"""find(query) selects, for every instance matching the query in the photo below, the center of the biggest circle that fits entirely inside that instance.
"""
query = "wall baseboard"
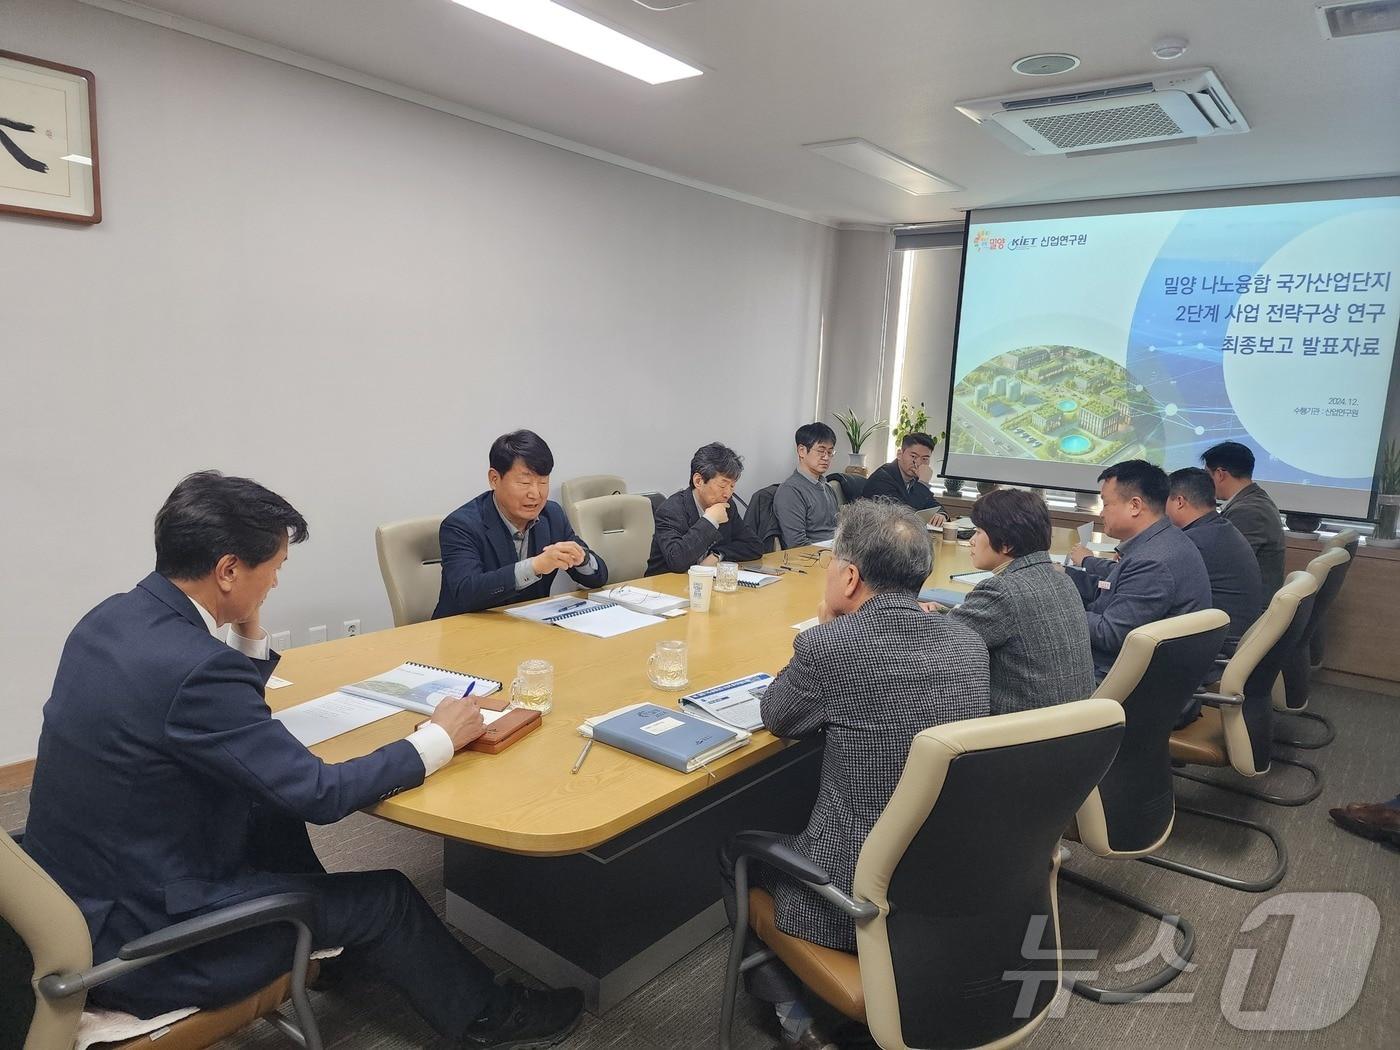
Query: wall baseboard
(16, 776)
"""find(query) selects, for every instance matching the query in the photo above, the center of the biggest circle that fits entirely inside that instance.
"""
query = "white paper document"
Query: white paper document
(749, 578)
(640, 599)
(806, 625)
(733, 703)
(331, 715)
(584, 616)
(972, 579)
(1086, 537)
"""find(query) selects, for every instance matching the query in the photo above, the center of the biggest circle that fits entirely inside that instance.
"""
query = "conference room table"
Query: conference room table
(603, 878)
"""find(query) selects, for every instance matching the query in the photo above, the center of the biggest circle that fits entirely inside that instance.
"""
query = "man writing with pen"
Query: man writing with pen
(508, 544)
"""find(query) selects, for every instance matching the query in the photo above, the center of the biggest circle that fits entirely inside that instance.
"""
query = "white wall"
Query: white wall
(347, 297)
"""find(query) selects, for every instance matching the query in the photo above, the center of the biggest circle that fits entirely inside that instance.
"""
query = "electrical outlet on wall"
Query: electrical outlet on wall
(316, 634)
(352, 628)
(281, 641)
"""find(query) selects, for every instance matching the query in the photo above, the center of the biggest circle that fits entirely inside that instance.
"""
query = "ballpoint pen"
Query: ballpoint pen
(470, 686)
(578, 762)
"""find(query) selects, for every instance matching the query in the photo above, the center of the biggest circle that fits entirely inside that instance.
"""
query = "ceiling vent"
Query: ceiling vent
(1343, 18)
(1106, 114)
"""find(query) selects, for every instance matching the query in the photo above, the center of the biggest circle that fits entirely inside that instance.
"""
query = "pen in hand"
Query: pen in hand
(578, 762)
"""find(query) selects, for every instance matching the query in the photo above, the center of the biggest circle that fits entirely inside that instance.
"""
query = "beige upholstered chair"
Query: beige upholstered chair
(945, 889)
(619, 528)
(47, 924)
(1293, 686)
(410, 560)
(838, 491)
(576, 490)
(1348, 540)
(1236, 724)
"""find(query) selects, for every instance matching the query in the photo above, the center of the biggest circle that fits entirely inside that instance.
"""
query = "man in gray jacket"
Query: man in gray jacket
(1159, 572)
(1248, 508)
(873, 674)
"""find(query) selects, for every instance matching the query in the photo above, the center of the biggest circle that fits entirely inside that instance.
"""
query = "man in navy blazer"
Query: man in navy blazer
(509, 543)
(164, 788)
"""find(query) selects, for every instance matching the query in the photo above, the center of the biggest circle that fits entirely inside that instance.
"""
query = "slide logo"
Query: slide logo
(983, 239)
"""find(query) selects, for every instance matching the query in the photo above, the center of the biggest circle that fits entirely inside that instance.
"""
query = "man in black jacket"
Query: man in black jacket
(1248, 508)
(905, 478)
(1235, 585)
(698, 525)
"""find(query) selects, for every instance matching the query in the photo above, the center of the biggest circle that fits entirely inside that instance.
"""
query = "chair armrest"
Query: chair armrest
(298, 908)
(767, 847)
(1219, 699)
(279, 907)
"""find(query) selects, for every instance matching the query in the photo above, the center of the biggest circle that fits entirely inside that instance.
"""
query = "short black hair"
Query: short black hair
(524, 445)
(1140, 478)
(811, 434)
(1194, 485)
(917, 438)
(1235, 459)
(1014, 520)
(209, 515)
(715, 459)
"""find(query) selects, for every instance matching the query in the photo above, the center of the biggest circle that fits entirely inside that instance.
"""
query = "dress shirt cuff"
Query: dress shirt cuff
(433, 745)
(525, 574)
(253, 648)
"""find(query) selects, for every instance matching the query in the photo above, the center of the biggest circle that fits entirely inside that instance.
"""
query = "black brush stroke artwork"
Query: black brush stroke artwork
(13, 149)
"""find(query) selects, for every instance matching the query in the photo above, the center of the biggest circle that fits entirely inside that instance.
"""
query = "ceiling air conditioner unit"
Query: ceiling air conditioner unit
(1109, 114)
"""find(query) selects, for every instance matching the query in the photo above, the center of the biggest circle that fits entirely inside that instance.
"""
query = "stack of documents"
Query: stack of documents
(750, 578)
(639, 599)
(600, 619)
(671, 738)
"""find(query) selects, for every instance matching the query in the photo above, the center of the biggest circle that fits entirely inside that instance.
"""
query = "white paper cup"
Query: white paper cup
(702, 586)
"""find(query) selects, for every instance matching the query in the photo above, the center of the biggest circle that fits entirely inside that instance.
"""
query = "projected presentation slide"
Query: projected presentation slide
(1085, 341)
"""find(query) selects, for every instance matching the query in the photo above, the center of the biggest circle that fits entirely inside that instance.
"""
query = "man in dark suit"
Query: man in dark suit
(1248, 508)
(699, 525)
(509, 543)
(164, 789)
(905, 478)
(874, 673)
(1235, 585)
(1158, 572)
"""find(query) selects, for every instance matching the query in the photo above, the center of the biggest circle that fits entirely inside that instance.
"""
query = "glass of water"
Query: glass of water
(533, 687)
(727, 577)
(667, 666)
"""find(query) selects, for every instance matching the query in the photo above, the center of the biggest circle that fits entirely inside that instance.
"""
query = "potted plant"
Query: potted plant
(857, 433)
(1387, 532)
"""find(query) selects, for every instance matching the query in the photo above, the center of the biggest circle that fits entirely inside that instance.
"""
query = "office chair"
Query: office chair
(1348, 540)
(948, 894)
(410, 560)
(762, 519)
(840, 493)
(575, 490)
(1294, 685)
(620, 529)
(1235, 727)
(49, 949)
(1131, 812)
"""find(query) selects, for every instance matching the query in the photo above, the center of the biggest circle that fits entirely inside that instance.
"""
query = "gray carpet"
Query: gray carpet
(681, 1007)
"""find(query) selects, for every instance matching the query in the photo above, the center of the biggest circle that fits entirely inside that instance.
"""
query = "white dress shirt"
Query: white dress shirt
(430, 740)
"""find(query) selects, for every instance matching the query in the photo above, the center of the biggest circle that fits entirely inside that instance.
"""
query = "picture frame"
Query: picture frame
(48, 140)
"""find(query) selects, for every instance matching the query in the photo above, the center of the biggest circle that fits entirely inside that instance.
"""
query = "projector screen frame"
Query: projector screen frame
(1340, 189)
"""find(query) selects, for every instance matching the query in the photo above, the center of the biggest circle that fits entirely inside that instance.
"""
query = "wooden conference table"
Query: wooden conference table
(604, 878)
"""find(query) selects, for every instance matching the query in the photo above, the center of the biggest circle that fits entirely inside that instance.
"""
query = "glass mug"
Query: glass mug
(533, 688)
(667, 666)
(727, 577)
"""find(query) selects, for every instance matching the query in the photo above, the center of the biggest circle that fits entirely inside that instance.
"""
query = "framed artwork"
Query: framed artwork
(48, 140)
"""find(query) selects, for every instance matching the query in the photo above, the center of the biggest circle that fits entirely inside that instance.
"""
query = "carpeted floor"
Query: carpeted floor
(681, 1007)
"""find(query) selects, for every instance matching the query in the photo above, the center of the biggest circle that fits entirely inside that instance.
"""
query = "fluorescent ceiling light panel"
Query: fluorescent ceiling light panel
(583, 36)
(73, 158)
(884, 165)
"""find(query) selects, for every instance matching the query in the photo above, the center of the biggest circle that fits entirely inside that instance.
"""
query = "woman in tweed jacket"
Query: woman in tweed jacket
(1030, 613)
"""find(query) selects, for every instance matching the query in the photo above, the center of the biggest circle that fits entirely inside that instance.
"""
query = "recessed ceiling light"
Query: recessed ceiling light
(574, 32)
(882, 164)
(1046, 65)
(1170, 47)
(1358, 17)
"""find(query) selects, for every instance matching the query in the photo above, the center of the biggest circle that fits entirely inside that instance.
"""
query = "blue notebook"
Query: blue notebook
(942, 596)
(672, 738)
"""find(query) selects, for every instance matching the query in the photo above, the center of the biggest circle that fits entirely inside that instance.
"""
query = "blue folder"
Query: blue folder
(672, 738)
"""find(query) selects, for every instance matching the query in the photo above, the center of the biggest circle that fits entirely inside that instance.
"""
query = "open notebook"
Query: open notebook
(585, 616)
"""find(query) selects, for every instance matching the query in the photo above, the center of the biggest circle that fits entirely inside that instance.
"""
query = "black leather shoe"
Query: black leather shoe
(812, 1038)
(526, 1019)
